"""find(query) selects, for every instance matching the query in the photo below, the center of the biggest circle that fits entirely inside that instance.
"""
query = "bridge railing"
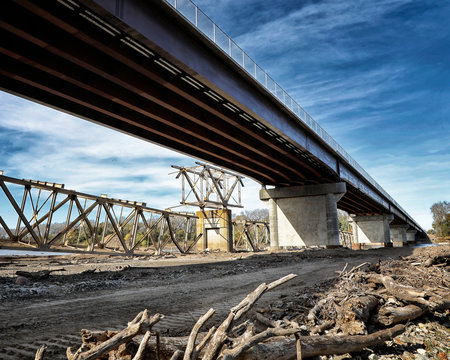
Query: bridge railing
(207, 27)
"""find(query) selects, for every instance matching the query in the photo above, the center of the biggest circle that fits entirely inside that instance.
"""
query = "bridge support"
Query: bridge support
(372, 229)
(217, 229)
(398, 234)
(411, 236)
(304, 215)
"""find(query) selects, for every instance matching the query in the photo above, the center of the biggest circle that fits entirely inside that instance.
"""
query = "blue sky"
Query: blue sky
(374, 74)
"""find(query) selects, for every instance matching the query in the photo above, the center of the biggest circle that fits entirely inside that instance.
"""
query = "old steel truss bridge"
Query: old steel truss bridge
(210, 187)
(50, 216)
(251, 235)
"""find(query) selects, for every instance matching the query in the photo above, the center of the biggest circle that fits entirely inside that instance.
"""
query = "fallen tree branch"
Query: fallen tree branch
(286, 349)
(37, 275)
(354, 313)
(40, 353)
(221, 334)
(142, 346)
(322, 327)
(232, 354)
(354, 269)
(193, 336)
(140, 324)
(428, 300)
(203, 343)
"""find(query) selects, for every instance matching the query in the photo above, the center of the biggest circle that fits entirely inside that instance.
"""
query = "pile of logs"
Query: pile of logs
(364, 308)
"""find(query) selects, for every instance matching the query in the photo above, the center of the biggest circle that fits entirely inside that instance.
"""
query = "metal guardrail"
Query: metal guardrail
(201, 21)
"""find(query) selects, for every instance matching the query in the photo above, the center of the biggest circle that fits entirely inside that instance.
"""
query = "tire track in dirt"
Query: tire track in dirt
(56, 323)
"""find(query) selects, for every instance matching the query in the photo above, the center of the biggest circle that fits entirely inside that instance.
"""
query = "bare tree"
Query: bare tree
(441, 217)
(256, 215)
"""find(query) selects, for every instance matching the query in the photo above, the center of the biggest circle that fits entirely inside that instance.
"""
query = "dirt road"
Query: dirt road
(106, 292)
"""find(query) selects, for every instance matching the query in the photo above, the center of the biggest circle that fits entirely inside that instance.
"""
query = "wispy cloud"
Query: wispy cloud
(52, 146)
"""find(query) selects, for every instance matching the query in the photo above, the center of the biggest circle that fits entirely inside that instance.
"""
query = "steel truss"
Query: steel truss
(210, 187)
(251, 235)
(346, 239)
(137, 227)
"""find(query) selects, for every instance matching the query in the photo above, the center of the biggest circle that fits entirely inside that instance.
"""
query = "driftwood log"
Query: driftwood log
(37, 275)
(139, 325)
(394, 315)
(354, 313)
(427, 300)
(285, 348)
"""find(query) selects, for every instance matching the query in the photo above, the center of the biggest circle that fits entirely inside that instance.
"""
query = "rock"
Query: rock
(421, 351)
(421, 357)
(22, 280)
(373, 357)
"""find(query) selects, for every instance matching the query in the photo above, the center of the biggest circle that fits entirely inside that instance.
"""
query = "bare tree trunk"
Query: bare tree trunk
(286, 349)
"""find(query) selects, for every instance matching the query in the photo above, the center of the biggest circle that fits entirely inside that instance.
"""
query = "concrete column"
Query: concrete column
(372, 229)
(398, 234)
(304, 215)
(273, 220)
(411, 236)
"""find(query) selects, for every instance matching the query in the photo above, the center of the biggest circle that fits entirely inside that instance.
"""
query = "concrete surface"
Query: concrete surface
(304, 215)
(372, 229)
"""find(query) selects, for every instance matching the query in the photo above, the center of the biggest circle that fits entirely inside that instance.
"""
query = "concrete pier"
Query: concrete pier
(372, 229)
(411, 236)
(398, 234)
(217, 229)
(304, 215)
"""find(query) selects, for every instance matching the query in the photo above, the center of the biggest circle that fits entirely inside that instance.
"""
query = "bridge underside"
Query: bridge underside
(86, 64)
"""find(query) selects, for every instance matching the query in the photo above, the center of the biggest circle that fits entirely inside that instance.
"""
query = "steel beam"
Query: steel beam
(20, 213)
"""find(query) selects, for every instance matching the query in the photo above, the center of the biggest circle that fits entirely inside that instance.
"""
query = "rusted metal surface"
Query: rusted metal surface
(209, 187)
(346, 239)
(251, 235)
(91, 223)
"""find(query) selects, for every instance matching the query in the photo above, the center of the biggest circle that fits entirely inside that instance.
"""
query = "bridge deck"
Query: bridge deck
(142, 69)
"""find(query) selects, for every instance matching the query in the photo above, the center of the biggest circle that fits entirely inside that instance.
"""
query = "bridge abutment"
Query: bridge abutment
(372, 229)
(304, 215)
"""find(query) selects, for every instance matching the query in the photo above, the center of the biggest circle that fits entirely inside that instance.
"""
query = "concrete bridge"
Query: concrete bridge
(164, 72)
